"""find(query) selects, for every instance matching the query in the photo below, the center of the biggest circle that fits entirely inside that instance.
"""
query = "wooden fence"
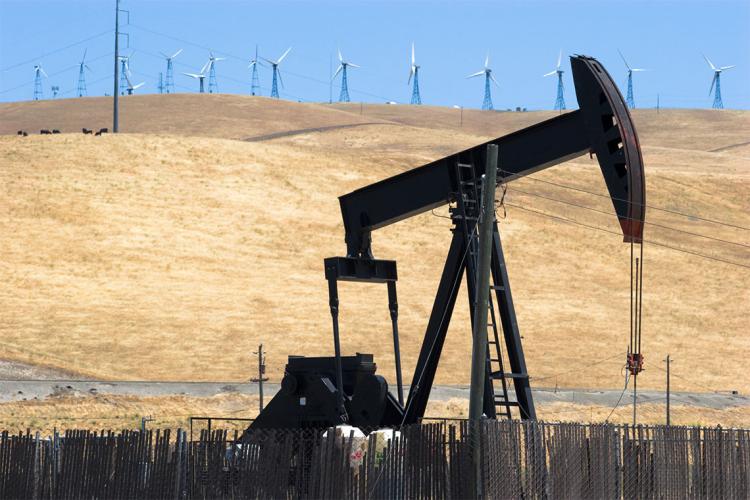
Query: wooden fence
(520, 460)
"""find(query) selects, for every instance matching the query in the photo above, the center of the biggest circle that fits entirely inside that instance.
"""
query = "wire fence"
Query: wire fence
(529, 460)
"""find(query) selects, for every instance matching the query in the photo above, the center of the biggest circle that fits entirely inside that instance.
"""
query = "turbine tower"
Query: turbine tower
(169, 79)
(414, 72)
(716, 82)
(487, 72)
(211, 64)
(124, 70)
(201, 77)
(38, 73)
(560, 101)
(629, 99)
(81, 75)
(276, 73)
(254, 82)
(343, 65)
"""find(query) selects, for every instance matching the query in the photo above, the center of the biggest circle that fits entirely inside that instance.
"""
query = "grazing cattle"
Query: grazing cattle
(20, 132)
(44, 131)
(103, 130)
(98, 133)
(55, 131)
(25, 134)
(86, 131)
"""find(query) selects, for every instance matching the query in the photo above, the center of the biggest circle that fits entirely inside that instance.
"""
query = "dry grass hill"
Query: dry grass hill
(172, 250)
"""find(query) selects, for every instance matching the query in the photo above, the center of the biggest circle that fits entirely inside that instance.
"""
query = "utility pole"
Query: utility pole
(669, 362)
(115, 110)
(261, 373)
(479, 349)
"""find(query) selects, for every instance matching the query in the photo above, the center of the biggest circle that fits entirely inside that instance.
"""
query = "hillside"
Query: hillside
(172, 251)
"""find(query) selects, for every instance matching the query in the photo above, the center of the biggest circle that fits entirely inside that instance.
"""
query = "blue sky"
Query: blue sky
(451, 38)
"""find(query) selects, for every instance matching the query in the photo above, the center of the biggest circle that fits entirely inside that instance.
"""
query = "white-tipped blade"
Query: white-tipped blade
(638, 69)
(709, 62)
(559, 59)
(338, 70)
(252, 63)
(478, 73)
(550, 73)
(341, 59)
(43, 72)
(220, 59)
(176, 54)
(138, 86)
(623, 59)
(205, 66)
(353, 65)
(412, 54)
(492, 77)
(283, 55)
(724, 68)
(192, 75)
(487, 61)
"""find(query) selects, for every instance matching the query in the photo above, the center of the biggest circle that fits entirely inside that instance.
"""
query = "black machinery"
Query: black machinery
(322, 392)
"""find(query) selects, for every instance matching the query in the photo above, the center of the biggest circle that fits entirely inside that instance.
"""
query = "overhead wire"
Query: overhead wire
(659, 244)
(50, 75)
(327, 83)
(652, 207)
(79, 42)
(654, 224)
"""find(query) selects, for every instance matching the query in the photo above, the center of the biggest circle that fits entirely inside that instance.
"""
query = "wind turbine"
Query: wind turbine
(343, 65)
(716, 81)
(254, 82)
(211, 66)
(81, 75)
(38, 72)
(131, 87)
(124, 70)
(201, 77)
(414, 72)
(487, 72)
(560, 101)
(276, 73)
(169, 80)
(629, 99)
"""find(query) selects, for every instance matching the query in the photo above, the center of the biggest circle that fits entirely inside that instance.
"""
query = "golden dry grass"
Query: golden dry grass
(172, 257)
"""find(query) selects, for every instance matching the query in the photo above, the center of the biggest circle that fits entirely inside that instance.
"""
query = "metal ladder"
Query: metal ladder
(466, 214)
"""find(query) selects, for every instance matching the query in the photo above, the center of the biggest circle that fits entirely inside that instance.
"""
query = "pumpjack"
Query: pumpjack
(328, 391)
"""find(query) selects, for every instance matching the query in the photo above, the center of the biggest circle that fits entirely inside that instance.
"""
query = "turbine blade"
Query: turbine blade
(724, 68)
(478, 73)
(192, 75)
(623, 59)
(411, 73)
(281, 80)
(284, 55)
(559, 59)
(412, 53)
(272, 63)
(165, 56)
(638, 69)
(252, 63)
(338, 70)
(43, 72)
(709, 62)
(138, 86)
(341, 59)
(713, 80)
(206, 66)
(354, 65)
(87, 67)
(84, 54)
(550, 73)
(492, 77)
(176, 54)
(487, 61)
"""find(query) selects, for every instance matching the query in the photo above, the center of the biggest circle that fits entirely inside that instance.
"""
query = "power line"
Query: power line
(68, 68)
(571, 221)
(652, 207)
(92, 37)
(630, 218)
(326, 83)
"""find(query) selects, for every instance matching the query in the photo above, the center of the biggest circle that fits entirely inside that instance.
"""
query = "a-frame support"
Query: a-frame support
(456, 264)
